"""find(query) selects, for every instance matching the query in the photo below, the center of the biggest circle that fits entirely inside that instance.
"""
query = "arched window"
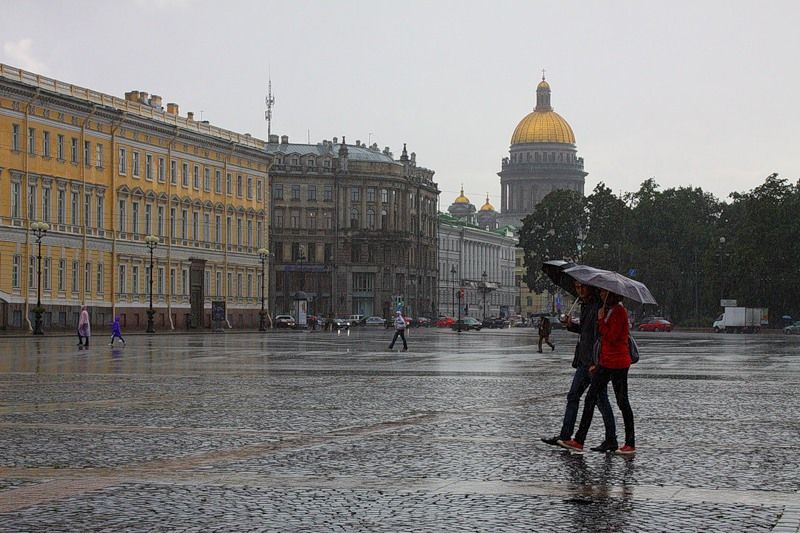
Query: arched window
(370, 219)
(354, 218)
(384, 219)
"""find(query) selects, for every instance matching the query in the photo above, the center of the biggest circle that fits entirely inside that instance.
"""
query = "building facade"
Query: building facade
(476, 259)
(104, 172)
(542, 158)
(352, 229)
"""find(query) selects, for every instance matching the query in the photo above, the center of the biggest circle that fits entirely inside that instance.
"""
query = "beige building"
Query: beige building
(104, 172)
(352, 228)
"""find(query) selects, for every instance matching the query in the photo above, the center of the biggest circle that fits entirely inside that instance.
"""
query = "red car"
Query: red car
(656, 324)
(445, 322)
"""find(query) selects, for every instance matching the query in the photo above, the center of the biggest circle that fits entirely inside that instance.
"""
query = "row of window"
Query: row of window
(541, 157)
(136, 282)
(372, 194)
(44, 146)
(142, 223)
(244, 282)
(67, 206)
(245, 186)
(61, 277)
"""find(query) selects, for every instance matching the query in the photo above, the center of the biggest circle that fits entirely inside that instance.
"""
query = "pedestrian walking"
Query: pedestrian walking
(583, 360)
(399, 331)
(116, 332)
(545, 328)
(613, 365)
(84, 327)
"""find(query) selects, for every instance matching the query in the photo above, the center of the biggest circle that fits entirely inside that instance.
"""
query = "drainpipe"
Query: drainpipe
(84, 249)
(169, 230)
(225, 247)
(114, 165)
(25, 158)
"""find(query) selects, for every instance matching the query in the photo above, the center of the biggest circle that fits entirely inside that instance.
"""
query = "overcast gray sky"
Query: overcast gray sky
(691, 93)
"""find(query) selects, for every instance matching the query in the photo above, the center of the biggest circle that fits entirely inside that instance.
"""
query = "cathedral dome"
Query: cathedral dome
(487, 206)
(461, 198)
(543, 125)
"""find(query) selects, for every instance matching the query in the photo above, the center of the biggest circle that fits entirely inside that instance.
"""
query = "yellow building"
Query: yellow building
(104, 172)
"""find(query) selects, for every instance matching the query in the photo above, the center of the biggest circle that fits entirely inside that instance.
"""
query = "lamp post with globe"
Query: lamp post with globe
(151, 241)
(39, 231)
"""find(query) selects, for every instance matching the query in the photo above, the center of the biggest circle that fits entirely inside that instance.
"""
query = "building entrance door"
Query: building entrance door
(197, 292)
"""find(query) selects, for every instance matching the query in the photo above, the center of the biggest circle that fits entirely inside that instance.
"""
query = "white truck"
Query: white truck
(741, 320)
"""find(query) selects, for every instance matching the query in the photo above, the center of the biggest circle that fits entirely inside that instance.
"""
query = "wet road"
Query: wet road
(313, 431)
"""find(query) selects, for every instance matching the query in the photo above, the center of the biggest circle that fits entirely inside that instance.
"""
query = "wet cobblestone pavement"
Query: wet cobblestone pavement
(313, 431)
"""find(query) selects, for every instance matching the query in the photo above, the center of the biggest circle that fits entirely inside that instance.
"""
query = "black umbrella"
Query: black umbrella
(555, 271)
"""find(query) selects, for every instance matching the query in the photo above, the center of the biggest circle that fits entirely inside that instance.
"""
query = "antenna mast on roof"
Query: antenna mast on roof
(270, 101)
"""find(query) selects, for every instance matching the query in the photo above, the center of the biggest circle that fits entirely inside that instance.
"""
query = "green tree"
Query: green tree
(555, 230)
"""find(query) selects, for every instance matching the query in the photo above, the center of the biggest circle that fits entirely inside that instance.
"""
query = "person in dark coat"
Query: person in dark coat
(582, 362)
(545, 328)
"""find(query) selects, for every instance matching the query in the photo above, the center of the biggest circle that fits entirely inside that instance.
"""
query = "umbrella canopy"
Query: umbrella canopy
(611, 281)
(555, 271)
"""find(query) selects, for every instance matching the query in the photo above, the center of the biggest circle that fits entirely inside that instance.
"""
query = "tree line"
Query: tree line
(690, 248)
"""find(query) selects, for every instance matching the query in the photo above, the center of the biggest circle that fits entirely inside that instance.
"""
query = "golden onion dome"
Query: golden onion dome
(487, 206)
(543, 127)
(543, 85)
(461, 198)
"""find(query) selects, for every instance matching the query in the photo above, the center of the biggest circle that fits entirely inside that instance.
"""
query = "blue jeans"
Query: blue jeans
(580, 382)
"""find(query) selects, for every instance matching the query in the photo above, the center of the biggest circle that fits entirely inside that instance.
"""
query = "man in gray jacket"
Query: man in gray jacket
(583, 361)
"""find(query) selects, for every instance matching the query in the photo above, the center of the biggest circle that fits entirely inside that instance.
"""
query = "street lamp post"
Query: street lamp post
(151, 241)
(483, 278)
(263, 253)
(722, 241)
(39, 231)
(453, 281)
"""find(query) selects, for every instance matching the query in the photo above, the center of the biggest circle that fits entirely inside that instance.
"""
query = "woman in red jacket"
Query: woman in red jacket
(615, 360)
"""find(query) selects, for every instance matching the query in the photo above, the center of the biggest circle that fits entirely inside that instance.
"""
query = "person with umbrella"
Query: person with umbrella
(615, 347)
(613, 364)
(587, 329)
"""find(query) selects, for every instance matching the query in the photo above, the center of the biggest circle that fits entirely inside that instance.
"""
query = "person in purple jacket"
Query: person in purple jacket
(116, 331)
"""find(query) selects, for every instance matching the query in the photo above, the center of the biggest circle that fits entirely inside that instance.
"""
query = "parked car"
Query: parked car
(794, 329)
(284, 321)
(374, 321)
(356, 320)
(423, 322)
(445, 322)
(495, 323)
(656, 324)
(467, 323)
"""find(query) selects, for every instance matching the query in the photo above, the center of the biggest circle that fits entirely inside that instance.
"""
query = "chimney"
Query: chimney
(336, 140)
(172, 108)
(358, 142)
(155, 101)
(132, 96)
(284, 139)
(143, 98)
(273, 138)
(190, 115)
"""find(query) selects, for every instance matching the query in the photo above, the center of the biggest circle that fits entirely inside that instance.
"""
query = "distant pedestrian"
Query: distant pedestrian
(116, 332)
(84, 327)
(545, 328)
(399, 331)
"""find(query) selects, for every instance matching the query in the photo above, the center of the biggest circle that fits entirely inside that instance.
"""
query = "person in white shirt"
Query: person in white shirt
(399, 331)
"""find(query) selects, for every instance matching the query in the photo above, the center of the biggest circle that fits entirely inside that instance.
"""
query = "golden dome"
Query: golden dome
(461, 198)
(543, 127)
(543, 85)
(487, 206)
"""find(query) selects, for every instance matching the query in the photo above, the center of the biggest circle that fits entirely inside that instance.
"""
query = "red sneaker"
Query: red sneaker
(571, 444)
(626, 450)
